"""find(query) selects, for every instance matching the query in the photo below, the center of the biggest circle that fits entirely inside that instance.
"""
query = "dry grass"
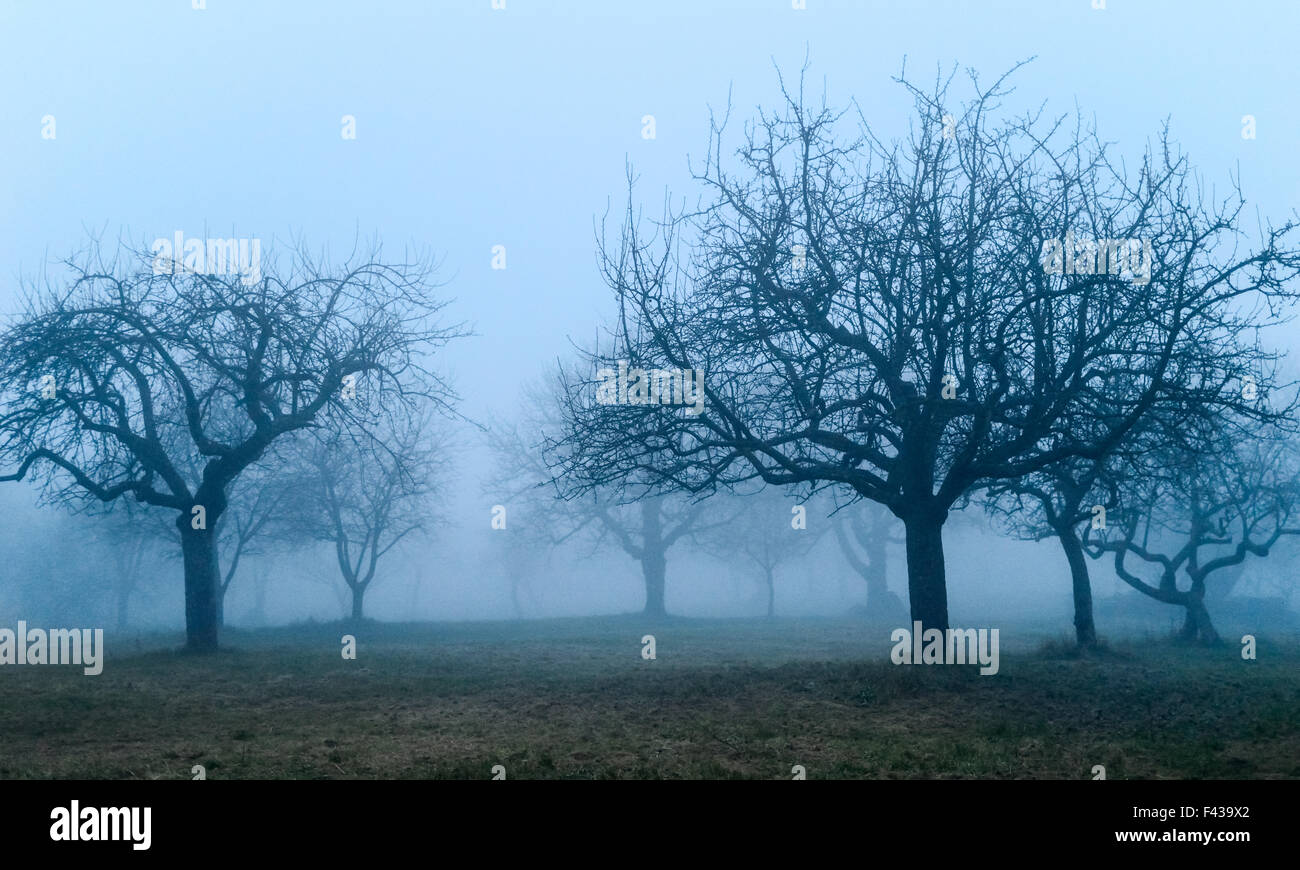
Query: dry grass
(574, 699)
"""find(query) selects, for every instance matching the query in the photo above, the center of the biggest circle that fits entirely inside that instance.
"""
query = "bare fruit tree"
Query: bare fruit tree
(644, 525)
(769, 532)
(865, 532)
(909, 319)
(365, 495)
(120, 378)
(1198, 513)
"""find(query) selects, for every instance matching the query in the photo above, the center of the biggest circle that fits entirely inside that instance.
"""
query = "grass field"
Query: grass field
(573, 698)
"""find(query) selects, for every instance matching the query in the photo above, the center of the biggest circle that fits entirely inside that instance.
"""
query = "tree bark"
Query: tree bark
(654, 568)
(199, 553)
(654, 558)
(1085, 629)
(1196, 623)
(927, 584)
(358, 594)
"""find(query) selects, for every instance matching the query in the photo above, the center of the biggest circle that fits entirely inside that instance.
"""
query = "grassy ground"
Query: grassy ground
(575, 699)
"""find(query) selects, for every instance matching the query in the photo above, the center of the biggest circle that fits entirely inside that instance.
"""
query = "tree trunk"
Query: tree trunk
(654, 558)
(883, 606)
(358, 593)
(927, 585)
(1085, 629)
(654, 567)
(199, 553)
(1196, 622)
(771, 592)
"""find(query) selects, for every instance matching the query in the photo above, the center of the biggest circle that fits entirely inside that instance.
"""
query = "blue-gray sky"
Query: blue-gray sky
(478, 127)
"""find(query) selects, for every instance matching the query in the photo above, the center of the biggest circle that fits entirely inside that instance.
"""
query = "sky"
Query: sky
(478, 127)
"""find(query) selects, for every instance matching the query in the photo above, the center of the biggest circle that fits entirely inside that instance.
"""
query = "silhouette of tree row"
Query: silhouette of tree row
(992, 300)
(169, 387)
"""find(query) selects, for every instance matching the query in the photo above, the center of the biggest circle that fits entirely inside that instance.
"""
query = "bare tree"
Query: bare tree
(1210, 385)
(909, 322)
(251, 525)
(763, 531)
(126, 375)
(1054, 503)
(1200, 511)
(645, 528)
(864, 532)
(364, 496)
(521, 558)
(528, 523)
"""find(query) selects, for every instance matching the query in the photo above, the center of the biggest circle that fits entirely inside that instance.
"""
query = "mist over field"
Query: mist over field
(709, 361)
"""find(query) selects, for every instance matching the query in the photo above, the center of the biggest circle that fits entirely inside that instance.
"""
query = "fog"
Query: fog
(653, 390)
(477, 128)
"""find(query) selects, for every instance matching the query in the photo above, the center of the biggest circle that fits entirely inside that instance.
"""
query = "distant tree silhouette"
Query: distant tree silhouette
(864, 532)
(1198, 510)
(364, 495)
(643, 525)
